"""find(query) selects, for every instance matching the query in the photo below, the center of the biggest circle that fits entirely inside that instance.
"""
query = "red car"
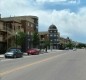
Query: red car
(33, 51)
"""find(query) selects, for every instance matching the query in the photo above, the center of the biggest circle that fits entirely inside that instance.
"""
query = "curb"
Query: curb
(1, 56)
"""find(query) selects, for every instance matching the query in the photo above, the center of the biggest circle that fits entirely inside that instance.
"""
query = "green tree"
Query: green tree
(20, 37)
(35, 39)
(70, 45)
(46, 44)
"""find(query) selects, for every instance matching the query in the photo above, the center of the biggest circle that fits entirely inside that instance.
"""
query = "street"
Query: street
(57, 65)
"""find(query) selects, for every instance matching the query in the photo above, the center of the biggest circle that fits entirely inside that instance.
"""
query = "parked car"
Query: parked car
(74, 49)
(13, 53)
(33, 51)
(66, 48)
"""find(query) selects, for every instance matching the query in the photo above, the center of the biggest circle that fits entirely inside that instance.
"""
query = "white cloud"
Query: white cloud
(74, 1)
(50, 0)
(59, 1)
(68, 23)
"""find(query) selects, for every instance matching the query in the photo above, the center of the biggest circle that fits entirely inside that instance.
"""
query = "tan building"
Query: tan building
(8, 31)
(29, 23)
(10, 25)
(43, 36)
(64, 40)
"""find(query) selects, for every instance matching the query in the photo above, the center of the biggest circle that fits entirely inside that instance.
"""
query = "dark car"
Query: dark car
(33, 51)
(13, 53)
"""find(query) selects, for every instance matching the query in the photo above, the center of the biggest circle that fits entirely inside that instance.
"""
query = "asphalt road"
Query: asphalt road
(63, 65)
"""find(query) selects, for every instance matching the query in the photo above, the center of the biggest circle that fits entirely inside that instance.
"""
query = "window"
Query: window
(51, 40)
(31, 33)
(51, 35)
(54, 34)
(55, 39)
(18, 27)
(28, 24)
(55, 31)
(31, 25)
(50, 31)
(28, 32)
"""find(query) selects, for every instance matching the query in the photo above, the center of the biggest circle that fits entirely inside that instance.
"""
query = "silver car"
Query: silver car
(13, 53)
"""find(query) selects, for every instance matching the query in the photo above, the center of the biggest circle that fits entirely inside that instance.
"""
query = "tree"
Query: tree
(70, 45)
(20, 37)
(46, 44)
(35, 39)
(81, 45)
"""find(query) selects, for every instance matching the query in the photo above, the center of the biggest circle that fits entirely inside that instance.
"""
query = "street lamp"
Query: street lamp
(28, 43)
(16, 39)
(51, 46)
(28, 39)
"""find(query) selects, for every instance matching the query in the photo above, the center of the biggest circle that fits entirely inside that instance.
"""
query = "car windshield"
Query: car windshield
(12, 50)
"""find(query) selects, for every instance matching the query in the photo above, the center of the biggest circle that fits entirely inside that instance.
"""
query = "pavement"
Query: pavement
(1, 56)
(60, 65)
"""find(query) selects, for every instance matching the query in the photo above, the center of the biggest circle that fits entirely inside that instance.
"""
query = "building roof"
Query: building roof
(52, 27)
(42, 33)
(1, 20)
(19, 18)
(11, 19)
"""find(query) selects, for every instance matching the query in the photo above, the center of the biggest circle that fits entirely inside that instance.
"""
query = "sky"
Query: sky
(69, 16)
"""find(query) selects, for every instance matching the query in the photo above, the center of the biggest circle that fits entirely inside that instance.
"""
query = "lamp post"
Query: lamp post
(51, 46)
(28, 43)
(16, 39)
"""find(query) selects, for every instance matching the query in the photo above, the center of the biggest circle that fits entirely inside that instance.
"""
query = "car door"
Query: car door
(19, 53)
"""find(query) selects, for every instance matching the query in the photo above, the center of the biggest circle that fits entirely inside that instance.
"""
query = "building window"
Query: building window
(31, 33)
(28, 24)
(51, 31)
(55, 35)
(18, 27)
(55, 31)
(51, 40)
(31, 25)
(51, 35)
(55, 39)
(28, 33)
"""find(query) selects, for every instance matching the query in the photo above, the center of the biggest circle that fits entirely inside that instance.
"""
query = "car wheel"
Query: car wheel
(21, 55)
(14, 56)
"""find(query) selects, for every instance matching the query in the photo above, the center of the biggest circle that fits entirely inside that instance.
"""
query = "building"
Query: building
(43, 36)
(8, 29)
(10, 25)
(54, 36)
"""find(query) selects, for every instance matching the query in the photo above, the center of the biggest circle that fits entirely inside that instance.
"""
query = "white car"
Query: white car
(74, 49)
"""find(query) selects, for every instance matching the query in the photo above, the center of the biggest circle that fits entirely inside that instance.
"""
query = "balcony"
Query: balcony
(6, 29)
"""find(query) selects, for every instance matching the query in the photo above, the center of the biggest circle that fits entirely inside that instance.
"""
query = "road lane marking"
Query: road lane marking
(28, 65)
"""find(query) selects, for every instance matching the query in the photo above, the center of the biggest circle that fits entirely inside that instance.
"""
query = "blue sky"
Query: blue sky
(68, 15)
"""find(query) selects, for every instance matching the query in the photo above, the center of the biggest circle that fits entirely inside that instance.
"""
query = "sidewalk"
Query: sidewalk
(1, 55)
(53, 50)
(43, 51)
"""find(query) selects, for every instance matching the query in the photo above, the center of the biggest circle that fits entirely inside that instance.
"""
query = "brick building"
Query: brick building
(10, 25)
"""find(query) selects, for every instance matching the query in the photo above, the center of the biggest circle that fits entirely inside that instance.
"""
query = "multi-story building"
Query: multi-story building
(11, 25)
(29, 23)
(8, 29)
(43, 36)
(54, 36)
(2, 36)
